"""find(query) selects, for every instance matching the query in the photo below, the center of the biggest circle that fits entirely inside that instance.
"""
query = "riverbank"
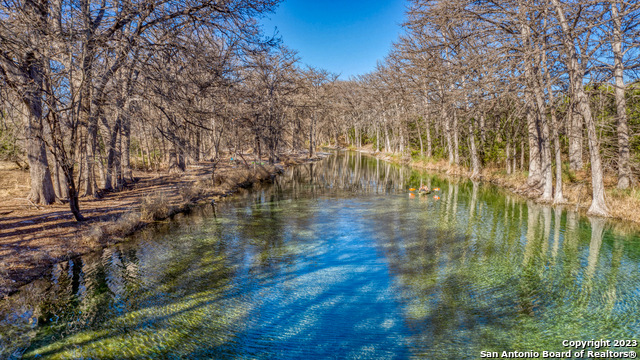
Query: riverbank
(623, 204)
(35, 237)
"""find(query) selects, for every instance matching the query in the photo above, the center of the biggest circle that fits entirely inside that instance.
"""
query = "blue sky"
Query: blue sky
(346, 37)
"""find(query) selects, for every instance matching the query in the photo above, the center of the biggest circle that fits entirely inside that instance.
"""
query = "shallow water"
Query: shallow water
(337, 260)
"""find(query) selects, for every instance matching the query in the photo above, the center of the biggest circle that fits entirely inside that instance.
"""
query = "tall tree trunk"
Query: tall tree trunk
(198, 150)
(456, 154)
(483, 135)
(110, 136)
(42, 191)
(154, 156)
(535, 175)
(101, 167)
(624, 170)
(387, 146)
(66, 162)
(534, 113)
(428, 131)
(88, 164)
(401, 140)
(56, 181)
(174, 166)
(117, 160)
(146, 161)
(87, 118)
(182, 157)
(475, 161)
(447, 129)
(508, 154)
(575, 123)
(311, 135)
(558, 197)
(420, 137)
(545, 147)
(27, 73)
(522, 146)
(598, 205)
(258, 148)
(74, 204)
(515, 156)
(299, 133)
(125, 136)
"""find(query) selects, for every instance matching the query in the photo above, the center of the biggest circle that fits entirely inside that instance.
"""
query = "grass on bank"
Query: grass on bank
(162, 205)
(623, 204)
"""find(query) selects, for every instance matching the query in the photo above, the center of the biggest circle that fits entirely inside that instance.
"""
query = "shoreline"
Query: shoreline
(623, 205)
(35, 239)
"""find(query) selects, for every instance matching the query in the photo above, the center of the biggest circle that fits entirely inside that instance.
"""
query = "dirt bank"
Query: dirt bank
(34, 237)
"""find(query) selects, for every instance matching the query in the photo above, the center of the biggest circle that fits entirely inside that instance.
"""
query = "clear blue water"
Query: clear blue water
(337, 260)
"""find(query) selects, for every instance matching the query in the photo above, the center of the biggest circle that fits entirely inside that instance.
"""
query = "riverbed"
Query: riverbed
(340, 260)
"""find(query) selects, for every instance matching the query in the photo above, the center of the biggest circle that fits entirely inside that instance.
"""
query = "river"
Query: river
(338, 260)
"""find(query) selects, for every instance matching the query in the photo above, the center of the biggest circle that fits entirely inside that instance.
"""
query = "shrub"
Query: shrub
(95, 233)
(125, 224)
(154, 207)
(189, 191)
(568, 175)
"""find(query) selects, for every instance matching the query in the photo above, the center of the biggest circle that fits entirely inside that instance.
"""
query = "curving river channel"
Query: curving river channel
(336, 260)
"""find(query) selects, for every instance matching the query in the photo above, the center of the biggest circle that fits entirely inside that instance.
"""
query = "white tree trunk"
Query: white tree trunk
(624, 171)
(598, 204)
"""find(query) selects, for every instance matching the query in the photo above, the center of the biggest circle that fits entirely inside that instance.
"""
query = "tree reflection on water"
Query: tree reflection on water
(334, 259)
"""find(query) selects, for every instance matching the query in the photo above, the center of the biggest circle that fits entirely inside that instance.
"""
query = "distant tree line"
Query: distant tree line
(518, 82)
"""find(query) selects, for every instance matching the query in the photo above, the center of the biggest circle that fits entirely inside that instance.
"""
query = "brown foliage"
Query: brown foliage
(154, 207)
